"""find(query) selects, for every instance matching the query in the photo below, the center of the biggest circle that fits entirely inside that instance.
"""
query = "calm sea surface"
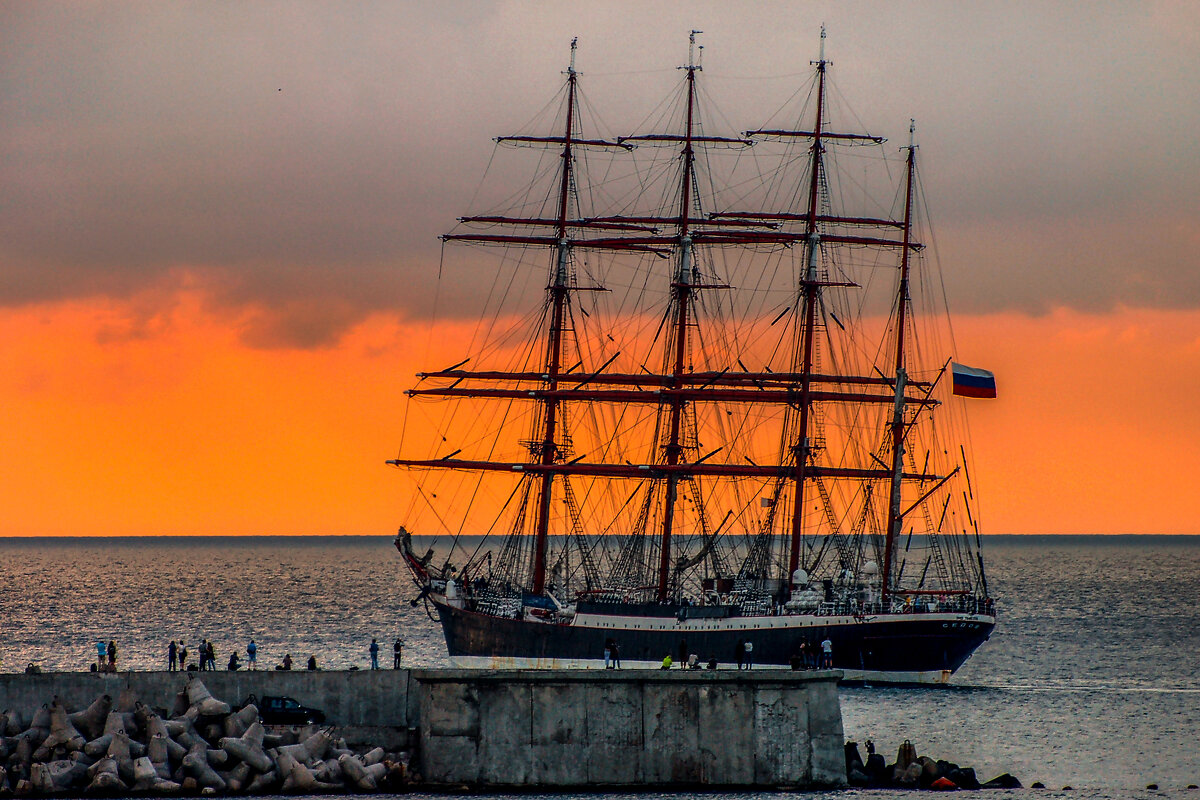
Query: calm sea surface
(1092, 678)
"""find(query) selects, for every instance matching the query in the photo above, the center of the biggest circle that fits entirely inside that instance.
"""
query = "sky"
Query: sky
(219, 221)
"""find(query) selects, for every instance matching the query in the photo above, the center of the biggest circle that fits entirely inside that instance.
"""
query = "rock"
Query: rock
(181, 704)
(56, 776)
(356, 774)
(910, 775)
(1037, 785)
(22, 757)
(195, 765)
(249, 748)
(397, 773)
(188, 737)
(1004, 781)
(237, 722)
(328, 772)
(91, 721)
(62, 734)
(99, 746)
(964, 778)
(160, 755)
(312, 748)
(238, 777)
(877, 768)
(105, 780)
(275, 740)
(115, 723)
(1152, 787)
(202, 700)
(41, 721)
(115, 749)
(853, 758)
(175, 750)
(120, 749)
(929, 771)
(298, 778)
(264, 783)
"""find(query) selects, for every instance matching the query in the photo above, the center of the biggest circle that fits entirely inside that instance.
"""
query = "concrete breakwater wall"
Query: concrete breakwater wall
(631, 728)
(539, 728)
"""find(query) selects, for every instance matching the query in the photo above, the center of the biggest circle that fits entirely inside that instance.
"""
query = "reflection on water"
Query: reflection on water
(1092, 677)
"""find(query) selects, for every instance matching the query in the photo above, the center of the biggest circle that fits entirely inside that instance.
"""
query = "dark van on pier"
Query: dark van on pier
(279, 710)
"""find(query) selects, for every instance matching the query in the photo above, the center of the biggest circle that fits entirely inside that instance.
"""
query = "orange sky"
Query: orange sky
(120, 421)
(217, 218)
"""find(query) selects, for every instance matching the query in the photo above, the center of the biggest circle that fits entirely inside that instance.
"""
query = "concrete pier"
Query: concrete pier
(539, 728)
(631, 728)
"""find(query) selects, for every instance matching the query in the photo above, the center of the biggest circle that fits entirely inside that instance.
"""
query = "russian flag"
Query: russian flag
(972, 382)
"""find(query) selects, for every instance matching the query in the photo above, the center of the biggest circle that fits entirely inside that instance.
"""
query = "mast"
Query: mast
(895, 518)
(811, 290)
(683, 292)
(558, 299)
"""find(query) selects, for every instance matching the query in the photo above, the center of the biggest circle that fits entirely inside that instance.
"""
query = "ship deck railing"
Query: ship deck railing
(852, 607)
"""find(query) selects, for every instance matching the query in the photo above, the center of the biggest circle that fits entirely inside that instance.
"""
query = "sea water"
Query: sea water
(1091, 679)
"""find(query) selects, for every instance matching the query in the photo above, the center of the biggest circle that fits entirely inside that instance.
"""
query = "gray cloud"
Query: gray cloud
(301, 158)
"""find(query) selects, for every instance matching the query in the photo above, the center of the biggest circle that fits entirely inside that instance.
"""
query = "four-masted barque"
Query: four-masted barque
(722, 427)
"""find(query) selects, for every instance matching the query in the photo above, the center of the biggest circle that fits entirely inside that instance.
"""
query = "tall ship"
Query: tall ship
(708, 407)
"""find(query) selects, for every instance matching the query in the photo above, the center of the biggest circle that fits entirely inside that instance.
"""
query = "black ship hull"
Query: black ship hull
(886, 648)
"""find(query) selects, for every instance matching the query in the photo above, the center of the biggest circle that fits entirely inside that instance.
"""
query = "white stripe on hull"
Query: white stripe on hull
(855, 675)
(749, 623)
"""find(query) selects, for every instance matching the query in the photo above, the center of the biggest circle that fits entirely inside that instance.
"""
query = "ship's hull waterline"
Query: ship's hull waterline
(924, 648)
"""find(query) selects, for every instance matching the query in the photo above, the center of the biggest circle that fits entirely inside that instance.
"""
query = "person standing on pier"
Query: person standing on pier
(212, 656)
(397, 650)
(101, 653)
(252, 655)
(374, 650)
(182, 654)
(616, 655)
(740, 651)
(826, 654)
(749, 655)
(112, 655)
(202, 655)
(172, 655)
